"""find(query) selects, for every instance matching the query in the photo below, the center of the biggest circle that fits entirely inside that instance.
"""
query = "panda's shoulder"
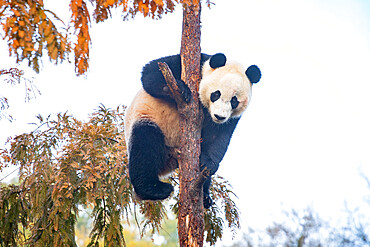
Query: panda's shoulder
(173, 59)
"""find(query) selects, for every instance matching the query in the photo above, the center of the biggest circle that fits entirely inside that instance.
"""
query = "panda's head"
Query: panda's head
(226, 88)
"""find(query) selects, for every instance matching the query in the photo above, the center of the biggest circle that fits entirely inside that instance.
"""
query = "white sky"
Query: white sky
(305, 136)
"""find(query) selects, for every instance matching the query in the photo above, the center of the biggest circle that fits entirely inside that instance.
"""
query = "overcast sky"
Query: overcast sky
(305, 136)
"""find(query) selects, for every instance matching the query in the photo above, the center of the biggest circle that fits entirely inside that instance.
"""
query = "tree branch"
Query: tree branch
(171, 83)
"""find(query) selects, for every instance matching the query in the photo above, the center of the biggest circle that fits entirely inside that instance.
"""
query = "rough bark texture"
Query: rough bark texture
(190, 218)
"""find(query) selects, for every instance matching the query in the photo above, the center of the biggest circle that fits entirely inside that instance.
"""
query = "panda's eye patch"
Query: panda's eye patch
(215, 95)
(234, 102)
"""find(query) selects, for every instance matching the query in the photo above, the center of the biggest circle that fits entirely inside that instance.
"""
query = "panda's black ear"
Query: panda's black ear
(253, 73)
(218, 60)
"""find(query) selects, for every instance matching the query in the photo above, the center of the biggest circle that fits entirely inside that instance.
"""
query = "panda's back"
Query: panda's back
(145, 107)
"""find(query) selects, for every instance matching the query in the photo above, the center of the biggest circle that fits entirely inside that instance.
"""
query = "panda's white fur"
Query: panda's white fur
(231, 81)
(152, 121)
(146, 107)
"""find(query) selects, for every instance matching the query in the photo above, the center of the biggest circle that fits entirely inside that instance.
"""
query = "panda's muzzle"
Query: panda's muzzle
(220, 118)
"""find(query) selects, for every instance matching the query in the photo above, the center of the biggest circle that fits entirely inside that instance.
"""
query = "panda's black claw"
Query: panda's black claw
(184, 90)
(187, 95)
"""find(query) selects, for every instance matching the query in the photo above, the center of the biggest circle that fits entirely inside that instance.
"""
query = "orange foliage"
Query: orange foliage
(81, 21)
(30, 29)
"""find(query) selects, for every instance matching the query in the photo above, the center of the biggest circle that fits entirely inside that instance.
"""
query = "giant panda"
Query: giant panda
(152, 121)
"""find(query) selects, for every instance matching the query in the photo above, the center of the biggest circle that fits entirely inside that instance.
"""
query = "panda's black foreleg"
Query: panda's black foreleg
(147, 156)
(215, 140)
(155, 84)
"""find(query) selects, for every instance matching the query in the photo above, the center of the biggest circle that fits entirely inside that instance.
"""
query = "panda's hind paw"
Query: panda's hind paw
(155, 191)
(207, 201)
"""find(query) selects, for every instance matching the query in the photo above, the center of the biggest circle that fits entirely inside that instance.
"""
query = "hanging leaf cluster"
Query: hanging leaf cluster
(213, 222)
(66, 164)
(80, 20)
(30, 28)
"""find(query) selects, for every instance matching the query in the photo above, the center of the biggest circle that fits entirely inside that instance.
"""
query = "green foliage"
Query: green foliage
(65, 164)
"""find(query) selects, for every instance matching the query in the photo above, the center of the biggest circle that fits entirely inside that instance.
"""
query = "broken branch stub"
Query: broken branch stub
(171, 83)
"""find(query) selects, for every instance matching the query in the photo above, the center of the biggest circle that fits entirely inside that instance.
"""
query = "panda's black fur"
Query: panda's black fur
(151, 131)
(154, 83)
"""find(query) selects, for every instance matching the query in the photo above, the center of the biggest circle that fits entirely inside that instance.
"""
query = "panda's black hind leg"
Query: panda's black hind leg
(207, 200)
(147, 156)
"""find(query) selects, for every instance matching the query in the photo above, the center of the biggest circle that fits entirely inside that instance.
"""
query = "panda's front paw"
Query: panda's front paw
(207, 163)
(184, 90)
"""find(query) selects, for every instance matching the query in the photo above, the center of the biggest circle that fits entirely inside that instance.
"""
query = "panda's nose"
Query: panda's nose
(219, 117)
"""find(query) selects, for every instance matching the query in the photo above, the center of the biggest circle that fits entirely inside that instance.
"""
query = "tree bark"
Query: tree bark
(190, 216)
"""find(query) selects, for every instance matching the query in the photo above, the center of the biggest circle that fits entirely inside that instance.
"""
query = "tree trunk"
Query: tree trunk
(190, 216)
